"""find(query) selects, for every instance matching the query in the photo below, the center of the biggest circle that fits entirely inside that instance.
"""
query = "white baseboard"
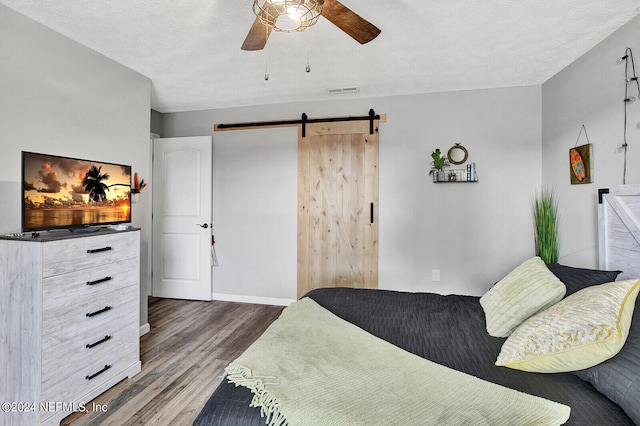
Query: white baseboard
(252, 299)
(144, 329)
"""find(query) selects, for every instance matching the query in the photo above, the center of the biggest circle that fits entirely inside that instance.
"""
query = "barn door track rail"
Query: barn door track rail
(303, 121)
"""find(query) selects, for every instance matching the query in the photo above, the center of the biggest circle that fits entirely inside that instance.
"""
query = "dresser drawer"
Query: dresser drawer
(84, 349)
(68, 377)
(62, 322)
(60, 257)
(87, 284)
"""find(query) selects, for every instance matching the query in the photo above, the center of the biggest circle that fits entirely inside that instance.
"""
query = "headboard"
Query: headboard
(619, 230)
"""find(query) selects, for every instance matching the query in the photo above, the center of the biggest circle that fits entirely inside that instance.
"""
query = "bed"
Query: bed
(452, 331)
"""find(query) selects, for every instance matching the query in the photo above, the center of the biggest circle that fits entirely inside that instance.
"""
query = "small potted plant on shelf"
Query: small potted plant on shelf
(138, 186)
(439, 161)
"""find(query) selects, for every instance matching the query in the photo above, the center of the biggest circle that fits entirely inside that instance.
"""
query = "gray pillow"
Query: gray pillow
(619, 377)
(575, 279)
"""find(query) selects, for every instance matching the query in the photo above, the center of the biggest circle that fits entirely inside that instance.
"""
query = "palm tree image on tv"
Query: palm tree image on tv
(63, 192)
(94, 185)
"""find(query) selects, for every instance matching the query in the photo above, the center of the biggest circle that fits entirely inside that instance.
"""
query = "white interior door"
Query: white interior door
(182, 216)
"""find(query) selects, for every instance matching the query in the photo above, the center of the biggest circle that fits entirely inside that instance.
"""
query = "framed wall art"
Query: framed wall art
(580, 164)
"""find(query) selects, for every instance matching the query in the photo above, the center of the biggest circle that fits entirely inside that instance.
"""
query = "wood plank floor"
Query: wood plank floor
(183, 357)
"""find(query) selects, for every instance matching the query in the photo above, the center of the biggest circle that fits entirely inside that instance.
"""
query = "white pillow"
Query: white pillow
(585, 329)
(525, 291)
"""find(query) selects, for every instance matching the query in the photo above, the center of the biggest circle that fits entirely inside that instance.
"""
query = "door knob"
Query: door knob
(205, 226)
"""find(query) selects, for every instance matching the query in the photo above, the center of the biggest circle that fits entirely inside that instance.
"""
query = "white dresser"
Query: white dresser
(69, 321)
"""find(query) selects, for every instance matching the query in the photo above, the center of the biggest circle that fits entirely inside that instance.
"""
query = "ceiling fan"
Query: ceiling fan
(270, 14)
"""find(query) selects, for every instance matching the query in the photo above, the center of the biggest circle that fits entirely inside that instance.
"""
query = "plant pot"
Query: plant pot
(439, 176)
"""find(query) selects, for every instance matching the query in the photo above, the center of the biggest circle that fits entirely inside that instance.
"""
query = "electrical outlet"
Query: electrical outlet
(435, 275)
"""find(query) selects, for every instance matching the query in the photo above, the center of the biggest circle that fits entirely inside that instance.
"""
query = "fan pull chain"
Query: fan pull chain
(266, 55)
(308, 69)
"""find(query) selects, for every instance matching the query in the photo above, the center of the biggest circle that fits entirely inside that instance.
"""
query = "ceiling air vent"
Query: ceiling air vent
(343, 90)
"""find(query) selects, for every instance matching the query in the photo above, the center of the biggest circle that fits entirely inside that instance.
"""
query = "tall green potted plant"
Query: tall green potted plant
(545, 211)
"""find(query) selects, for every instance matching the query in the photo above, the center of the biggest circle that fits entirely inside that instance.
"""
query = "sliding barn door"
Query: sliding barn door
(619, 230)
(337, 206)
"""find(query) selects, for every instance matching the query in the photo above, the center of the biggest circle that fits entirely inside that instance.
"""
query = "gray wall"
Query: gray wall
(473, 233)
(59, 97)
(156, 122)
(590, 92)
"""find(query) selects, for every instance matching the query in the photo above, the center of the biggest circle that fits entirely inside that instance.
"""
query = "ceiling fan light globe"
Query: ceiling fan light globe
(288, 22)
(295, 13)
(288, 15)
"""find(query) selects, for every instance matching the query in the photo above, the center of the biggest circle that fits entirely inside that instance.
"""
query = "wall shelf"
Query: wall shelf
(456, 175)
(455, 181)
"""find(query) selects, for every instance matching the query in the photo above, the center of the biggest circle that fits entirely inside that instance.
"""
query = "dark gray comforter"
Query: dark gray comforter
(449, 330)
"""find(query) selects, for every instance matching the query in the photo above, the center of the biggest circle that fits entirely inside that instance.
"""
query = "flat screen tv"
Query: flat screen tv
(63, 192)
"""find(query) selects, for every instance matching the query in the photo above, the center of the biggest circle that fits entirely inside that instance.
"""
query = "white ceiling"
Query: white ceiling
(190, 49)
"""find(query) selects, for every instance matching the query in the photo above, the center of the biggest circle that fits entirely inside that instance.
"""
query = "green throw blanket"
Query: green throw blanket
(312, 368)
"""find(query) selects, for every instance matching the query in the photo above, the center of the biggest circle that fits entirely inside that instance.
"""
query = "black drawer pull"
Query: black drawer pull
(101, 311)
(101, 280)
(99, 250)
(94, 375)
(93, 345)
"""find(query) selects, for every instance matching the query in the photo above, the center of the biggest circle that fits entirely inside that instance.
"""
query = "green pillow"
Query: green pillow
(583, 330)
(525, 291)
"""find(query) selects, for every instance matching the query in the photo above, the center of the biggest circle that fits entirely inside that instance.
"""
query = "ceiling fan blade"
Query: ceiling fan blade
(350, 22)
(257, 37)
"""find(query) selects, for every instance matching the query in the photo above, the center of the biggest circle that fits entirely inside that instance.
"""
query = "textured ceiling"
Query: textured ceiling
(190, 49)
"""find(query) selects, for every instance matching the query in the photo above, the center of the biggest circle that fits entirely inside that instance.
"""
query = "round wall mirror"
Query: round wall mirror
(457, 154)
